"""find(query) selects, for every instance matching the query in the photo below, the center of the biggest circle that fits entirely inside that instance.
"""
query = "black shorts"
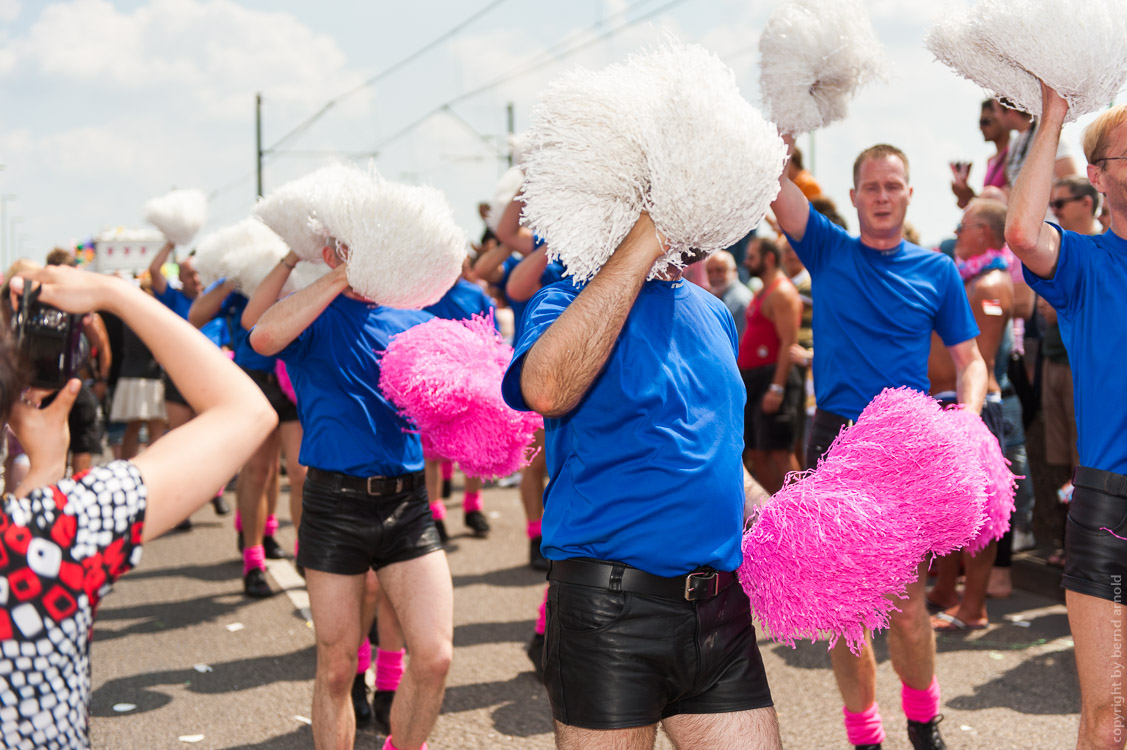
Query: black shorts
(993, 416)
(824, 429)
(614, 660)
(85, 426)
(171, 393)
(771, 432)
(1095, 551)
(268, 384)
(348, 531)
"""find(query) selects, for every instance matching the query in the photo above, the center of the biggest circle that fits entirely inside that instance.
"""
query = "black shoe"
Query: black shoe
(239, 541)
(867, 747)
(221, 506)
(381, 710)
(535, 651)
(255, 585)
(536, 560)
(374, 634)
(441, 527)
(185, 525)
(475, 522)
(925, 735)
(445, 488)
(360, 701)
(272, 549)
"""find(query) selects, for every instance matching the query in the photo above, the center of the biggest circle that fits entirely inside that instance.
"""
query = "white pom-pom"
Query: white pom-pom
(178, 214)
(242, 253)
(666, 132)
(293, 210)
(814, 55)
(404, 248)
(1009, 46)
(507, 187)
(304, 274)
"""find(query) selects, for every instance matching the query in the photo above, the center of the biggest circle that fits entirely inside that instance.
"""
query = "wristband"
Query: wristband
(287, 265)
(775, 388)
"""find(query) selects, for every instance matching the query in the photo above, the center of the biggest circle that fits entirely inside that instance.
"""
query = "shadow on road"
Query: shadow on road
(522, 708)
(519, 576)
(492, 632)
(1042, 684)
(160, 616)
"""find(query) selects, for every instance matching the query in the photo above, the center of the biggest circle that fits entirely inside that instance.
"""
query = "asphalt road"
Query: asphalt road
(181, 659)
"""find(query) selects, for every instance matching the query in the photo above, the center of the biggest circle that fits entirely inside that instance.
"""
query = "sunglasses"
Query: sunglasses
(1060, 203)
(985, 122)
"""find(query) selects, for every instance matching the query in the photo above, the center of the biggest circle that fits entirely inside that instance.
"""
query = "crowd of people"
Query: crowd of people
(726, 377)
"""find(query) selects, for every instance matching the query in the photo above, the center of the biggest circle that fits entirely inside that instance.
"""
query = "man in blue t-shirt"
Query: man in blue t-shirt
(643, 408)
(1084, 278)
(365, 502)
(879, 299)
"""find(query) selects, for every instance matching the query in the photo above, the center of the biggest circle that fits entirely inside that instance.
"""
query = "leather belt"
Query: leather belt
(374, 486)
(1107, 482)
(696, 586)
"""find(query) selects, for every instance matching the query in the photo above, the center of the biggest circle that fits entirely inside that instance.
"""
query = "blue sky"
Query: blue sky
(108, 104)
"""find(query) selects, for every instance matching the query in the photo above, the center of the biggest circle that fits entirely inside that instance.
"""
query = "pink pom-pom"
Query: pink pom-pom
(1000, 481)
(284, 381)
(445, 377)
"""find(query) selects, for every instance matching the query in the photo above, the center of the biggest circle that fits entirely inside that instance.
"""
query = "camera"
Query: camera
(49, 341)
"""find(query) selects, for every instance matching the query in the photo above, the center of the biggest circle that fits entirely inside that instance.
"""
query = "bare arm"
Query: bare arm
(155, 273)
(1032, 240)
(287, 318)
(206, 306)
(268, 291)
(233, 415)
(489, 265)
(1024, 297)
(970, 374)
(524, 281)
(791, 207)
(994, 287)
(564, 362)
(786, 312)
(509, 230)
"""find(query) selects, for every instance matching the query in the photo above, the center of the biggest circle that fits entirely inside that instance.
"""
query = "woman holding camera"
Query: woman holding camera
(64, 541)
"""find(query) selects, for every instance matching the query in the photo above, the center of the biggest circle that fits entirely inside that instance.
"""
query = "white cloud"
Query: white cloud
(9, 10)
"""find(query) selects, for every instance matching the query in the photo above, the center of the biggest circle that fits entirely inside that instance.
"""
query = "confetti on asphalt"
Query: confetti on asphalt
(122, 708)
(303, 719)
(201, 668)
(966, 728)
(1023, 623)
(996, 656)
(235, 626)
(191, 738)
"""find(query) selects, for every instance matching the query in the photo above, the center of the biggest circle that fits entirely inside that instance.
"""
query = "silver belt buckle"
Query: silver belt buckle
(705, 576)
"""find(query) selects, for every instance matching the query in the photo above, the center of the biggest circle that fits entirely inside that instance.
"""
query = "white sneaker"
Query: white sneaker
(510, 481)
(1023, 540)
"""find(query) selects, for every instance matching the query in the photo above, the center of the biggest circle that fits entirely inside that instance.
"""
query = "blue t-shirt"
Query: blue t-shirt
(1088, 291)
(553, 272)
(231, 313)
(461, 302)
(175, 301)
(349, 427)
(875, 314)
(646, 470)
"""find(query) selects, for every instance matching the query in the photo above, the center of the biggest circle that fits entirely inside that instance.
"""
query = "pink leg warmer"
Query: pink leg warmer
(271, 525)
(533, 529)
(363, 657)
(254, 558)
(921, 705)
(388, 746)
(472, 502)
(864, 728)
(238, 522)
(295, 549)
(447, 470)
(438, 510)
(542, 620)
(389, 669)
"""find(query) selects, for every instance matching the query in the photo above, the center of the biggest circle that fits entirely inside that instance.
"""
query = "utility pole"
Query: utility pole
(258, 142)
(509, 117)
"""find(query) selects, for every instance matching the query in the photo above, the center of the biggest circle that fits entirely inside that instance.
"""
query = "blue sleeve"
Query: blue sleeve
(1063, 287)
(543, 309)
(820, 233)
(168, 296)
(954, 321)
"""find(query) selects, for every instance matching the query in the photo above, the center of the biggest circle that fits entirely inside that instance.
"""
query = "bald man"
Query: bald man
(724, 282)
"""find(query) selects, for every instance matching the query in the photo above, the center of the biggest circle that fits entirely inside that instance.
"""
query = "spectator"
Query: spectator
(994, 131)
(724, 282)
(800, 176)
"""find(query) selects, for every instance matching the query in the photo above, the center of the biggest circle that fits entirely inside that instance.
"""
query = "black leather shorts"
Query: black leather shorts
(267, 382)
(1095, 549)
(347, 531)
(615, 660)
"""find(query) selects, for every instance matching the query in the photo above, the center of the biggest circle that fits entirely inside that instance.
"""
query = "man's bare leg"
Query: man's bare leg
(1097, 629)
(911, 641)
(251, 490)
(290, 435)
(757, 729)
(972, 608)
(335, 601)
(856, 675)
(532, 481)
(423, 597)
(944, 593)
(636, 738)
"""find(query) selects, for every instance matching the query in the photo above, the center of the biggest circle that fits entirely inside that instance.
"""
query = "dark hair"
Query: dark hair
(768, 247)
(60, 257)
(826, 207)
(13, 374)
(796, 157)
(1079, 187)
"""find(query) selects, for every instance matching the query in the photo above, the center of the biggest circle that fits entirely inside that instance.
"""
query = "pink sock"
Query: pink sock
(472, 502)
(271, 525)
(220, 492)
(388, 746)
(363, 657)
(438, 510)
(533, 529)
(254, 558)
(921, 705)
(295, 549)
(238, 521)
(864, 728)
(447, 470)
(389, 669)
(542, 620)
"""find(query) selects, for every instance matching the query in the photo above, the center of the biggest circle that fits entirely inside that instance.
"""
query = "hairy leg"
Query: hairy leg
(756, 729)
(635, 738)
(335, 601)
(1097, 629)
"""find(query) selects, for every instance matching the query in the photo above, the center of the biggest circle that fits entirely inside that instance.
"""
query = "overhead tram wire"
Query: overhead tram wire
(522, 70)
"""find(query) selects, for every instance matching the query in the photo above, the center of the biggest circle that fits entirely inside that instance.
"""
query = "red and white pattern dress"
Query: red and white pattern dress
(61, 548)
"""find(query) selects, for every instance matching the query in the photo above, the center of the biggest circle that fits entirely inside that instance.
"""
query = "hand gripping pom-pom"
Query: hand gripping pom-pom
(507, 188)
(178, 214)
(665, 132)
(445, 377)
(1009, 46)
(293, 210)
(1000, 481)
(814, 55)
(244, 253)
